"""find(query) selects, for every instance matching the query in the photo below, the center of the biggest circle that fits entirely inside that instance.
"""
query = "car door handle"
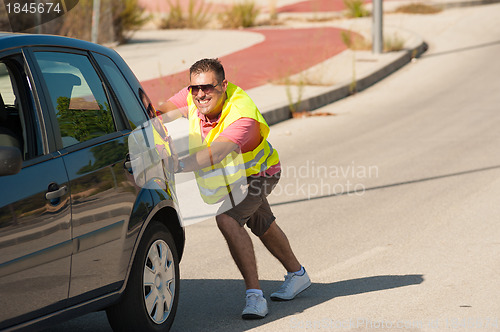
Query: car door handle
(56, 193)
(128, 164)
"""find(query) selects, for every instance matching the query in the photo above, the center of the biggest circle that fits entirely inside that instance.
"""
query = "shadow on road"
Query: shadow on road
(215, 305)
(462, 49)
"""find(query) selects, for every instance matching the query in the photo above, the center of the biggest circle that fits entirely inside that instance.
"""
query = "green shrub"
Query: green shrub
(118, 18)
(128, 16)
(356, 8)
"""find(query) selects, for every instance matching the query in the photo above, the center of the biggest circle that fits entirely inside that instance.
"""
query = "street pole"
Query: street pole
(377, 33)
(95, 20)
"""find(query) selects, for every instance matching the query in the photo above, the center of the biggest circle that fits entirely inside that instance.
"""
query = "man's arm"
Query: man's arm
(170, 111)
(212, 155)
(175, 107)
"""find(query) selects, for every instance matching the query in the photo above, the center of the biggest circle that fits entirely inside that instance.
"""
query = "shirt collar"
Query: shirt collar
(206, 121)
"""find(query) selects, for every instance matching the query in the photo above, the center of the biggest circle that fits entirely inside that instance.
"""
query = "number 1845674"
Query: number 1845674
(32, 8)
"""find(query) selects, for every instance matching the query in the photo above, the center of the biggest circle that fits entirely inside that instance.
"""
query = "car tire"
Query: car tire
(152, 293)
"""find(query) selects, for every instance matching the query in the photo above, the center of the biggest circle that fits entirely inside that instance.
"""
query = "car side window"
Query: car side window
(19, 123)
(124, 93)
(77, 95)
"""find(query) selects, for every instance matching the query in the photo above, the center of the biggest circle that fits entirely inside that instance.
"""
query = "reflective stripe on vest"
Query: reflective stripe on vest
(215, 182)
(229, 169)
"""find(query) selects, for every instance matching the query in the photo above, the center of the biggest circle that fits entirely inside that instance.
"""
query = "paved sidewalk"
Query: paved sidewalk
(281, 53)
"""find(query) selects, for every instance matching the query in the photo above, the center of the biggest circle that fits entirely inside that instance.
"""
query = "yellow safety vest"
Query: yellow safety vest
(216, 181)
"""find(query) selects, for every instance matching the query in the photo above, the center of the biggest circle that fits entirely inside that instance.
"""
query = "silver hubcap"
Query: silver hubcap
(159, 281)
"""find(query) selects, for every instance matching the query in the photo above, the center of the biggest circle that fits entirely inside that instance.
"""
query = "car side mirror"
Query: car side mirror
(11, 160)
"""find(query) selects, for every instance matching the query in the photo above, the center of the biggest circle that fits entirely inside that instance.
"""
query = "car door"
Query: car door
(92, 138)
(35, 215)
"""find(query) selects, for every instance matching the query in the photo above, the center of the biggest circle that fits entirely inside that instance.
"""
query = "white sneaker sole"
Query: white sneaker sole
(253, 316)
(277, 297)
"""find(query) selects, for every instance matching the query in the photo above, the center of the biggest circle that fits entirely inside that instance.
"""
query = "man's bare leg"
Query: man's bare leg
(296, 280)
(241, 248)
(277, 243)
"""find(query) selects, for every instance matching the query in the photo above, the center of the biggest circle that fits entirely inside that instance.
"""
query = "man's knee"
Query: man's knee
(225, 222)
(269, 230)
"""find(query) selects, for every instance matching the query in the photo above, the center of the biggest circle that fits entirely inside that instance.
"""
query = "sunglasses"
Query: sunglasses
(206, 88)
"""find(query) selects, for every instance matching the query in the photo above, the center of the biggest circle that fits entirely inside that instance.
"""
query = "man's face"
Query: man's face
(209, 103)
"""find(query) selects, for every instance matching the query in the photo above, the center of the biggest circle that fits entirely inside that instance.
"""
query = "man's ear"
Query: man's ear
(224, 85)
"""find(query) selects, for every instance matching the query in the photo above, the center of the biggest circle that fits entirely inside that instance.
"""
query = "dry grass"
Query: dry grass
(355, 42)
(358, 43)
(197, 15)
(418, 8)
(393, 43)
(240, 15)
(319, 19)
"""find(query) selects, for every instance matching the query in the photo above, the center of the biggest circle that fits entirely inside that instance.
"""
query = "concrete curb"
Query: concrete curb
(340, 91)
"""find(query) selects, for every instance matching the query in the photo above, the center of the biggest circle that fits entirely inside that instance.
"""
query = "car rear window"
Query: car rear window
(126, 96)
(77, 95)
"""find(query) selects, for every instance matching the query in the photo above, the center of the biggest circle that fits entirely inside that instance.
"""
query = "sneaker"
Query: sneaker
(255, 308)
(292, 286)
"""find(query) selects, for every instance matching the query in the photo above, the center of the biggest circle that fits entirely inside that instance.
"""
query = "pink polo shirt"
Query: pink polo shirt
(245, 131)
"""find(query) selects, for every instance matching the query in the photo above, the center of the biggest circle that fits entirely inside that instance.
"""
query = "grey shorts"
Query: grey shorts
(254, 210)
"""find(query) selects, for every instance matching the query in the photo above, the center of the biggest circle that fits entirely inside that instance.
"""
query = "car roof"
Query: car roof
(16, 40)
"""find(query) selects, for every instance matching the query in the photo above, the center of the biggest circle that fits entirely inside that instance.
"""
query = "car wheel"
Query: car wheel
(150, 299)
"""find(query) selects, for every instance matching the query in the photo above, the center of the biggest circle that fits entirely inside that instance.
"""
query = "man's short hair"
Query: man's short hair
(206, 65)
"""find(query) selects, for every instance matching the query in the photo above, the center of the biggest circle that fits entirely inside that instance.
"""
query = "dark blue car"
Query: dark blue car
(78, 233)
